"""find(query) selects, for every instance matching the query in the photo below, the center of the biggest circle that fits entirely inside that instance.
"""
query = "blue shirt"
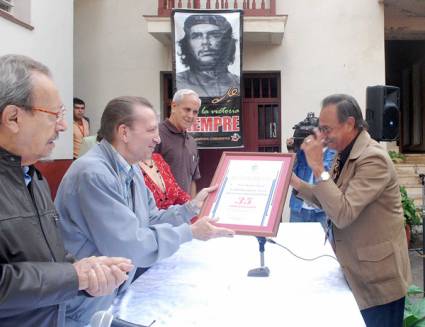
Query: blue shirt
(125, 175)
(27, 176)
(303, 171)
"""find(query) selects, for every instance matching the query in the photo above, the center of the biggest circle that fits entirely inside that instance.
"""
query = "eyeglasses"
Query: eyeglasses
(58, 114)
(325, 129)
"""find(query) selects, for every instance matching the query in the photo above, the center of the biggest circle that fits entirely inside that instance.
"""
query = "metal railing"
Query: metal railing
(250, 7)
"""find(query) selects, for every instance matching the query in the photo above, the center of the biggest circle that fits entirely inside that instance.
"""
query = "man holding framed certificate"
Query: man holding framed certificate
(361, 197)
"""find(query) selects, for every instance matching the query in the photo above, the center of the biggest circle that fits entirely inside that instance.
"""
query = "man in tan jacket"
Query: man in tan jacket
(361, 198)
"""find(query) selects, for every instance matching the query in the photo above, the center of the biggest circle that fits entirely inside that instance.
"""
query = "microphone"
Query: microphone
(106, 319)
(117, 322)
(101, 319)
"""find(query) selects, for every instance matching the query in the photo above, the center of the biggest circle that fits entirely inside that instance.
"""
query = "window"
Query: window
(6, 5)
(18, 12)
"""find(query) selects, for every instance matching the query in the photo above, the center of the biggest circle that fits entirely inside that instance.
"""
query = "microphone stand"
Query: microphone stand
(261, 271)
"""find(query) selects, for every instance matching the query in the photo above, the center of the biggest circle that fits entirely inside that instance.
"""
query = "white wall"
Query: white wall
(329, 46)
(51, 42)
(115, 55)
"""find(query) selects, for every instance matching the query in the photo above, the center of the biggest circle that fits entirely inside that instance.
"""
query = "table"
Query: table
(206, 284)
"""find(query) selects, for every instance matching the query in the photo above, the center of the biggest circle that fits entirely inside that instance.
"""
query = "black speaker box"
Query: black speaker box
(383, 112)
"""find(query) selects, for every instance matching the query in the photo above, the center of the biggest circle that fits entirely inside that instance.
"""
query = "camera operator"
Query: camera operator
(300, 210)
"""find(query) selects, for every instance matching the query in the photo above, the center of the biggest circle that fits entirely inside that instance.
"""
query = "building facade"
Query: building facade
(43, 30)
(294, 54)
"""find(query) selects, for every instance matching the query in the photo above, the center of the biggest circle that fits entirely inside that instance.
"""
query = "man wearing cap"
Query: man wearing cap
(207, 49)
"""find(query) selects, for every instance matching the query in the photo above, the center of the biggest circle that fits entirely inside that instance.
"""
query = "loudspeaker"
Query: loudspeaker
(383, 112)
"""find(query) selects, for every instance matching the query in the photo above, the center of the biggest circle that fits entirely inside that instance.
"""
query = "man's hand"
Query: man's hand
(203, 230)
(99, 276)
(199, 199)
(313, 149)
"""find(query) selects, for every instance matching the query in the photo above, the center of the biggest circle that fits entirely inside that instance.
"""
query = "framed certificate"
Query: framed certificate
(251, 193)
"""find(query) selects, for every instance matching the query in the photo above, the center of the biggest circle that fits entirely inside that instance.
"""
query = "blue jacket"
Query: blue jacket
(96, 220)
(303, 171)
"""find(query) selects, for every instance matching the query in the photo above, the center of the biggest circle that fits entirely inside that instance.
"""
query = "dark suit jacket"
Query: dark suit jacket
(36, 274)
(365, 208)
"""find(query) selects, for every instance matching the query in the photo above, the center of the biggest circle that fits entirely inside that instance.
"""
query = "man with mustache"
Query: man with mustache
(361, 196)
(177, 146)
(37, 275)
(207, 48)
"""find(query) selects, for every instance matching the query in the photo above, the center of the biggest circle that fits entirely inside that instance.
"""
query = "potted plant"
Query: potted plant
(396, 157)
(411, 215)
(414, 309)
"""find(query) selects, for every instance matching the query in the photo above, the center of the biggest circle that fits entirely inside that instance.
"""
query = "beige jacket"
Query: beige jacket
(370, 239)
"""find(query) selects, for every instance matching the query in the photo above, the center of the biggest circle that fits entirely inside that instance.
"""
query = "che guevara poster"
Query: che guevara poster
(207, 58)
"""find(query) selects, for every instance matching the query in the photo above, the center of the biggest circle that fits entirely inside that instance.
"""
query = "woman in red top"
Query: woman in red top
(160, 180)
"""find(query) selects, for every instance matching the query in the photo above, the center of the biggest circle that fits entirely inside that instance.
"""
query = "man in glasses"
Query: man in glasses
(361, 196)
(37, 276)
(300, 210)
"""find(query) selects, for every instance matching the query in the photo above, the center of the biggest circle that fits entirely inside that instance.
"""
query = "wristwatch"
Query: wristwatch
(324, 176)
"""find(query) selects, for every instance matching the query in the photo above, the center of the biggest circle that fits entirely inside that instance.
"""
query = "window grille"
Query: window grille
(6, 5)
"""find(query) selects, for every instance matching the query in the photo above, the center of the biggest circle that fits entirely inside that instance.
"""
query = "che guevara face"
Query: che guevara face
(205, 41)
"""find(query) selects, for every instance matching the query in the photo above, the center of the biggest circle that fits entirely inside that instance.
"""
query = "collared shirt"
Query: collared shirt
(126, 174)
(180, 151)
(27, 176)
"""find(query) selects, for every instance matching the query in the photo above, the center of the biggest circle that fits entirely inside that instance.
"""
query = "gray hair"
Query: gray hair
(16, 80)
(119, 111)
(346, 107)
(178, 96)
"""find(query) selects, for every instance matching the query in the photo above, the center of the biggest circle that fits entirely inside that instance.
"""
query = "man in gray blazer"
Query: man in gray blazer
(361, 197)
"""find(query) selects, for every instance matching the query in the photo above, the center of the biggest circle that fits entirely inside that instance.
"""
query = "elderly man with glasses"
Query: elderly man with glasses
(360, 195)
(37, 275)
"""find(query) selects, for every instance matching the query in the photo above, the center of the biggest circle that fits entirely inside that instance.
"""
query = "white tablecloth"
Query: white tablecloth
(206, 284)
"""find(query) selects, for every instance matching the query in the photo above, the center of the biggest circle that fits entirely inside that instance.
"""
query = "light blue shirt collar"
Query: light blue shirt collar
(123, 166)
(27, 177)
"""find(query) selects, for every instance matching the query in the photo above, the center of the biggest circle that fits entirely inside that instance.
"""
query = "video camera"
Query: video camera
(303, 129)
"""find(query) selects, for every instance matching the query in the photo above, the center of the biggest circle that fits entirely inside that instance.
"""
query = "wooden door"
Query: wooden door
(413, 108)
